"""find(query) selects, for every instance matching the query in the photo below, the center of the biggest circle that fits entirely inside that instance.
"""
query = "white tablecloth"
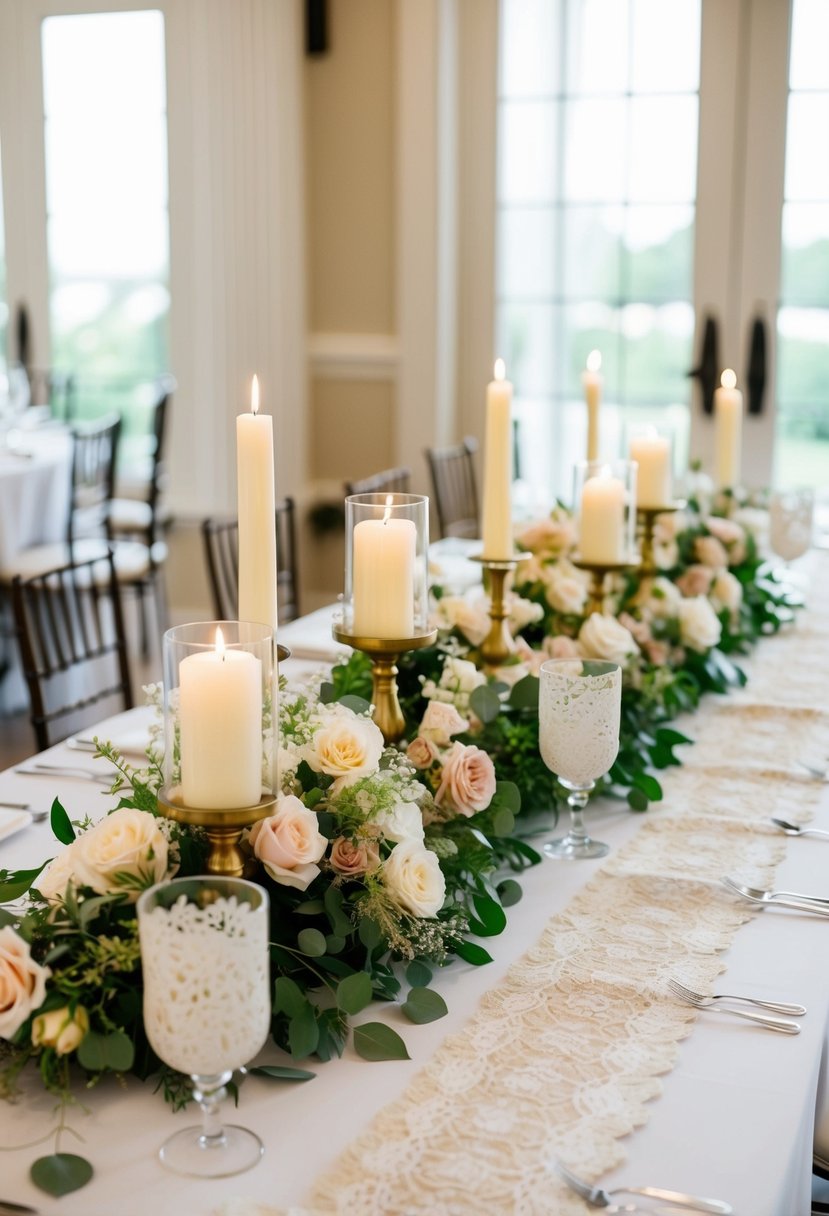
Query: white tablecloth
(35, 470)
(735, 1119)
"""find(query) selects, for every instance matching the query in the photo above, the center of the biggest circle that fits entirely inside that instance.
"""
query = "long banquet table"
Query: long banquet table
(736, 1113)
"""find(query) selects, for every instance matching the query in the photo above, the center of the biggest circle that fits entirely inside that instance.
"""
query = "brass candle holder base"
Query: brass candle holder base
(599, 572)
(498, 645)
(223, 825)
(384, 653)
(646, 517)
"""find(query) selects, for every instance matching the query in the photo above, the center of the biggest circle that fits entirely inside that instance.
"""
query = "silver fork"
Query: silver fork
(701, 998)
(819, 774)
(782, 1025)
(786, 899)
(601, 1198)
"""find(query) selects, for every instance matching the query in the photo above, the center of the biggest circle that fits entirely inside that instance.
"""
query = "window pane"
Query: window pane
(530, 56)
(91, 59)
(809, 66)
(592, 244)
(596, 152)
(807, 165)
(526, 341)
(597, 46)
(526, 253)
(657, 351)
(805, 262)
(527, 146)
(663, 150)
(659, 250)
(666, 46)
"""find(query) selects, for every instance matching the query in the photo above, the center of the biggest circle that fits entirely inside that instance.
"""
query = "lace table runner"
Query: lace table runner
(563, 1056)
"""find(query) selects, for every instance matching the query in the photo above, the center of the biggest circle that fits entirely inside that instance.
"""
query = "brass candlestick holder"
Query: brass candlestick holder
(384, 653)
(599, 572)
(646, 517)
(498, 644)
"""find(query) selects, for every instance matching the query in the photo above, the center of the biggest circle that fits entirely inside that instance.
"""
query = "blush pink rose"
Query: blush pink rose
(695, 581)
(289, 843)
(560, 647)
(711, 552)
(440, 721)
(22, 982)
(422, 752)
(467, 781)
(352, 859)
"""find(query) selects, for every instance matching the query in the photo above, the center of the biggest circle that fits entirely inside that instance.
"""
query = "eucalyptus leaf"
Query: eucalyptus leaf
(61, 824)
(354, 992)
(376, 1041)
(485, 703)
(303, 1033)
(311, 942)
(503, 823)
(507, 794)
(340, 924)
(98, 1052)
(418, 974)
(369, 933)
(60, 1173)
(310, 907)
(288, 997)
(334, 944)
(424, 1005)
(524, 694)
(509, 892)
(358, 704)
(278, 1072)
(637, 799)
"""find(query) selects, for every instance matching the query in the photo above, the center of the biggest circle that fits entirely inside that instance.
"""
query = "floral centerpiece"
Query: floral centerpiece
(379, 866)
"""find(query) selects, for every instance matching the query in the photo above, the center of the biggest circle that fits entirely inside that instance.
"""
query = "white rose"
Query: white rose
(441, 722)
(415, 879)
(402, 822)
(22, 982)
(602, 637)
(460, 675)
(454, 612)
(755, 521)
(52, 883)
(726, 591)
(662, 599)
(345, 747)
(699, 628)
(125, 852)
(565, 591)
(522, 613)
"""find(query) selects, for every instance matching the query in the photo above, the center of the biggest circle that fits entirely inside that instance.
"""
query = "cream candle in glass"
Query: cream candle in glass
(497, 495)
(383, 557)
(220, 727)
(257, 514)
(602, 520)
(592, 383)
(654, 481)
(728, 427)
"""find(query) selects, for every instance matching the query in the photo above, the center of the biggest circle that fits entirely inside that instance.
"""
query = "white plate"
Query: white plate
(12, 821)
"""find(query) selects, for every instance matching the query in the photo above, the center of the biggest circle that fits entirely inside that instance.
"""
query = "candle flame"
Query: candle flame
(728, 379)
(220, 643)
(594, 361)
(500, 369)
(254, 395)
(387, 512)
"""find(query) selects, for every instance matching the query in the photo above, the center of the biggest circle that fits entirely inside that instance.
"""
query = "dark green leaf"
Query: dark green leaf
(369, 932)
(9, 918)
(376, 1041)
(472, 953)
(418, 974)
(288, 997)
(524, 694)
(354, 992)
(509, 892)
(60, 1173)
(491, 918)
(334, 944)
(101, 1051)
(340, 924)
(637, 800)
(327, 693)
(649, 786)
(279, 1073)
(310, 907)
(503, 823)
(61, 825)
(485, 702)
(311, 942)
(507, 794)
(303, 1033)
(18, 883)
(424, 1005)
(357, 704)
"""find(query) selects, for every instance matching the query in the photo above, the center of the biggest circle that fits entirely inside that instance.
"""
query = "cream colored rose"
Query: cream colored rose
(710, 552)
(60, 1029)
(726, 591)
(352, 858)
(522, 613)
(725, 530)
(22, 982)
(403, 821)
(441, 722)
(415, 879)
(454, 612)
(565, 592)
(289, 843)
(125, 852)
(52, 883)
(346, 747)
(547, 536)
(467, 780)
(560, 647)
(658, 597)
(602, 637)
(699, 628)
(696, 580)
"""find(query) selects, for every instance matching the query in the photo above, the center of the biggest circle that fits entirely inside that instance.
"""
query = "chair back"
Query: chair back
(73, 647)
(165, 386)
(389, 481)
(94, 451)
(454, 488)
(221, 549)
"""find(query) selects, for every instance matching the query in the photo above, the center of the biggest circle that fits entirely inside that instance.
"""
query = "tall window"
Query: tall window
(597, 156)
(802, 446)
(104, 100)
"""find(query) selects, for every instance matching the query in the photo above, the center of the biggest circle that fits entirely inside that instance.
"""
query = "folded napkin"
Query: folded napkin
(12, 821)
(130, 741)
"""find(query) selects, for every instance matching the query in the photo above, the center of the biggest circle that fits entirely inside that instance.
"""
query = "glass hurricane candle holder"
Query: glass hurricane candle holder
(220, 731)
(604, 501)
(652, 449)
(386, 566)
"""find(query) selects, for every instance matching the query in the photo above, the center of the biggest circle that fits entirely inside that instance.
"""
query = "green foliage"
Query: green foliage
(60, 1173)
(424, 1005)
(376, 1041)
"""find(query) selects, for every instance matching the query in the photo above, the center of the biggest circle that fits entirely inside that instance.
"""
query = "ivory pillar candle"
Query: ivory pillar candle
(602, 520)
(592, 383)
(257, 514)
(383, 556)
(652, 453)
(220, 728)
(728, 427)
(497, 495)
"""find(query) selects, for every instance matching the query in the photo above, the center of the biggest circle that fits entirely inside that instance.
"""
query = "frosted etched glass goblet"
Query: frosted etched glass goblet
(578, 719)
(207, 1011)
(791, 517)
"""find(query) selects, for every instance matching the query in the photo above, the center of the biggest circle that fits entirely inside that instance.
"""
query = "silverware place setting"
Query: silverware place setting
(819, 773)
(601, 1198)
(36, 817)
(67, 770)
(794, 829)
(779, 899)
(710, 1001)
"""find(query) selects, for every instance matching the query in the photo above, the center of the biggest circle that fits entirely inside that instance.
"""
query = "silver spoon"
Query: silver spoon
(792, 829)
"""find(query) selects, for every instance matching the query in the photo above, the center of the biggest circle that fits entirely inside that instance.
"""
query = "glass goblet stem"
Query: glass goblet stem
(577, 801)
(209, 1092)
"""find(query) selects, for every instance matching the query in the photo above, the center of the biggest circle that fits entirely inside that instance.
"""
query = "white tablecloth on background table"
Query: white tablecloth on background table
(35, 472)
(735, 1119)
